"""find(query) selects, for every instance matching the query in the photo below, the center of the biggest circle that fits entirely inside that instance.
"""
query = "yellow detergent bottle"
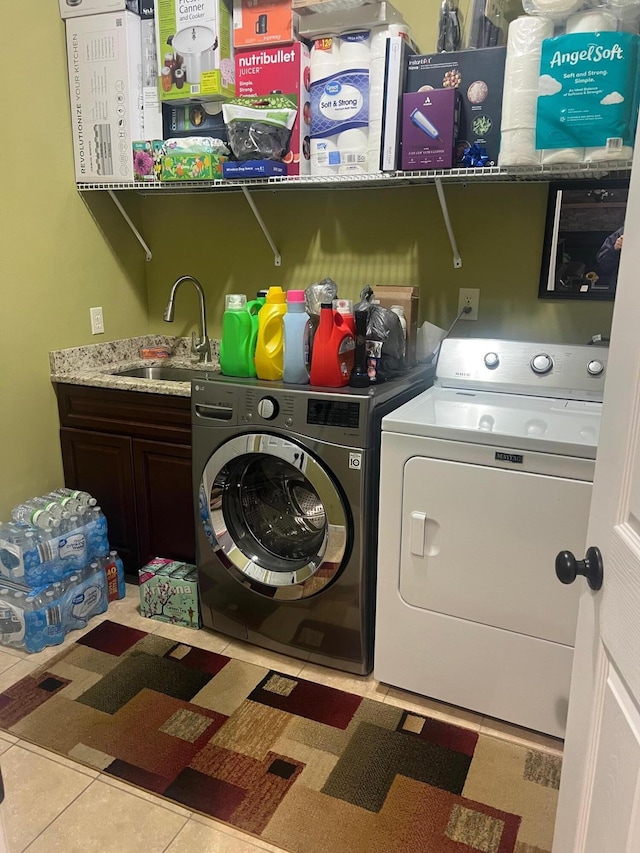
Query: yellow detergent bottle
(269, 348)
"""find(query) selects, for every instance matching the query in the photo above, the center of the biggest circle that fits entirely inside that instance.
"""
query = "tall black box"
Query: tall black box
(479, 77)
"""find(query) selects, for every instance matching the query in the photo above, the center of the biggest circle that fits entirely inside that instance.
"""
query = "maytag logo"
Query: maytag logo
(516, 458)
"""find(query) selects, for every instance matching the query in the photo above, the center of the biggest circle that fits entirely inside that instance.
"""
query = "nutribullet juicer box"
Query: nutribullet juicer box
(195, 51)
(281, 69)
(429, 127)
(478, 75)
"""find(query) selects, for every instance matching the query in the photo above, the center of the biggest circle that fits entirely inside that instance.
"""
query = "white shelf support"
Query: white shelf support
(457, 260)
(277, 260)
(129, 222)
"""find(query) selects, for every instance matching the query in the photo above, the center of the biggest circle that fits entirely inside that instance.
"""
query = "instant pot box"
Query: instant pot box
(409, 298)
(262, 22)
(281, 69)
(195, 53)
(479, 77)
(104, 56)
(169, 592)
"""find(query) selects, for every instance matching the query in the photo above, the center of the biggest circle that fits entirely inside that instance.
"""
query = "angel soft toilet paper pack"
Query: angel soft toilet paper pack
(588, 92)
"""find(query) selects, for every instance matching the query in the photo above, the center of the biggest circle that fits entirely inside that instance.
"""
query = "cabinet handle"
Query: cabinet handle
(214, 413)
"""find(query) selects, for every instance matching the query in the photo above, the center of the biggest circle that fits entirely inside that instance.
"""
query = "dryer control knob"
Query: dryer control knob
(268, 408)
(491, 360)
(595, 368)
(541, 363)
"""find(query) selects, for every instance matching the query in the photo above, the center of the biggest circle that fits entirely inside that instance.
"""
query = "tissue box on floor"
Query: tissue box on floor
(169, 592)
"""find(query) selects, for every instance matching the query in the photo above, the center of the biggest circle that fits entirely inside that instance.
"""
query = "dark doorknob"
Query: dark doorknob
(567, 567)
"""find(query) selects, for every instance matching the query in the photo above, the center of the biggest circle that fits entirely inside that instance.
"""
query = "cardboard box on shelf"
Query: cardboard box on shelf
(429, 127)
(284, 69)
(263, 22)
(181, 120)
(479, 77)
(79, 8)
(104, 62)
(169, 592)
(409, 298)
(195, 51)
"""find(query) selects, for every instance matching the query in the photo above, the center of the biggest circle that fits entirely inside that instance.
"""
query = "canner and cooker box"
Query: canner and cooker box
(479, 77)
(105, 88)
(283, 69)
(263, 22)
(409, 298)
(195, 52)
(79, 8)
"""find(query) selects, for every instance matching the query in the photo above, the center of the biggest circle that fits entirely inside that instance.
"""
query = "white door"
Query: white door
(599, 807)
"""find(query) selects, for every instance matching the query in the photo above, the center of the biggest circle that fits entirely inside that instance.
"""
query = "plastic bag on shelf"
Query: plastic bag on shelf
(259, 128)
(384, 325)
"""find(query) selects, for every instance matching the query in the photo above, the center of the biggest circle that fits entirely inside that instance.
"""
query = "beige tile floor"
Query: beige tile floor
(54, 804)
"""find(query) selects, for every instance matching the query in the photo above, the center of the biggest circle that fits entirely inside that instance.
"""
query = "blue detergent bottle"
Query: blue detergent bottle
(296, 339)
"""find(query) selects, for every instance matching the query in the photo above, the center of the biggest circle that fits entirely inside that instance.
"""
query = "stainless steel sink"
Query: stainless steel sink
(170, 374)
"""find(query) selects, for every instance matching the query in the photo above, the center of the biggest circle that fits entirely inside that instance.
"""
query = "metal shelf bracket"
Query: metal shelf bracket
(457, 260)
(277, 260)
(129, 222)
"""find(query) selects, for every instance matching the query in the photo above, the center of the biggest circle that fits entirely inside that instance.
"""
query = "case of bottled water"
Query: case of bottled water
(35, 617)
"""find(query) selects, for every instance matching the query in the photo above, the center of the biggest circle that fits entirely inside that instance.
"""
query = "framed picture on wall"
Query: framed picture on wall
(583, 239)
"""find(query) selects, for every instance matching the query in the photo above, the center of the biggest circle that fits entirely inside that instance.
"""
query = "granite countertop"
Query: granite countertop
(94, 364)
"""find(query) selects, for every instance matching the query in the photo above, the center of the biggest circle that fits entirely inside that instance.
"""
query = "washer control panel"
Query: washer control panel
(565, 371)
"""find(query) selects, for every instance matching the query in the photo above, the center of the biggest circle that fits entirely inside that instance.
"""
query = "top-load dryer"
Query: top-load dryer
(286, 490)
(485, 477)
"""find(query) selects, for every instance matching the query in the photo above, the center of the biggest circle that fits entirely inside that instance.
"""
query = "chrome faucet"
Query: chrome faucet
(199, 346)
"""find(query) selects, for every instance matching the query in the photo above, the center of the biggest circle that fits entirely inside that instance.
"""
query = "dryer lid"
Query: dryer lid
(565, 427)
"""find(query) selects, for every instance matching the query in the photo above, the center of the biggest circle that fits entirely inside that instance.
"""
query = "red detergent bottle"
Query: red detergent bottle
(333, 350)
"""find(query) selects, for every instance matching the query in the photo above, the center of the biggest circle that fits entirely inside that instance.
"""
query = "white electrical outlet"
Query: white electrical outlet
(97, 321)
(469, 297)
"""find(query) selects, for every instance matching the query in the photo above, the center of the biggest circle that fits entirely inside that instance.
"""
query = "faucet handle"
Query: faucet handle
(201, 347)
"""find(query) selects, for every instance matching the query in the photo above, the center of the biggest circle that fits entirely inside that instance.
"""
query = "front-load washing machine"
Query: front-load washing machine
(286, 491)
(486, 477)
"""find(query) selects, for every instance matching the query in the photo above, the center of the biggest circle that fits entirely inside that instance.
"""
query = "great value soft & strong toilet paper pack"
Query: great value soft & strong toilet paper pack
(340, 104)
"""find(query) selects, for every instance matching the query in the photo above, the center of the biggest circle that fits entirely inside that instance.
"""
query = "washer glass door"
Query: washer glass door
(274, 515)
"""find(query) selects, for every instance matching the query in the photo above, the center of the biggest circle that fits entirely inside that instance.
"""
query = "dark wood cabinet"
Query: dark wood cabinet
(132, 451)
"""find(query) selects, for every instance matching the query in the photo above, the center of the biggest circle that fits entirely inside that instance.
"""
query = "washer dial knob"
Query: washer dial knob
(541, 363)
(595, 367)
(268, 408)
(491, 360)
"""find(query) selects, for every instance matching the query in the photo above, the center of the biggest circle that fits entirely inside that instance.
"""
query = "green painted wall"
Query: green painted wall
(55, 260)
(58, 257)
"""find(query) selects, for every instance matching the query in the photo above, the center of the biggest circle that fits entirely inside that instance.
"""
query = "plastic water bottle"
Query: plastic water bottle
(85, 596)
(83, 497)
(296, 339)
(72, 506)
(22, 513)
(37, 516)
(96, 533)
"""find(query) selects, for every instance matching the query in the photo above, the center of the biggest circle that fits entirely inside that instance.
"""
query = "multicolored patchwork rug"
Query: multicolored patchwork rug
(306, 767)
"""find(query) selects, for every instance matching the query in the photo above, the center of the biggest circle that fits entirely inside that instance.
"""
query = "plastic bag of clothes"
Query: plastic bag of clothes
(384, 325)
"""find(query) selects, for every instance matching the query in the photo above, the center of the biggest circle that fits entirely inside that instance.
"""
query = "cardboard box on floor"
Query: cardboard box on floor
(409, 298)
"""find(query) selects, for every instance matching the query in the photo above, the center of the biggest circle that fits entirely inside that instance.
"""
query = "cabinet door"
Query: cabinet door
(164, 501)
(102, 465)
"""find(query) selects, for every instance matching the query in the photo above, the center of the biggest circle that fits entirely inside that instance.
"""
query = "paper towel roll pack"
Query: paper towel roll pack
(520, 96)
